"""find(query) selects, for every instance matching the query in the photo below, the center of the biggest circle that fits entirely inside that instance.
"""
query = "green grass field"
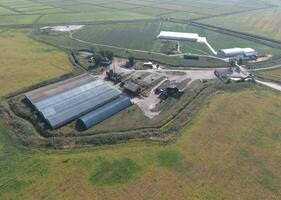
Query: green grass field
(100, 10)
(264, 23)
(274, 74)
(231, 150)
(4, 11)
(90, 17)
(139, 36)
(15, 20)
(24, 62)
(142, 36)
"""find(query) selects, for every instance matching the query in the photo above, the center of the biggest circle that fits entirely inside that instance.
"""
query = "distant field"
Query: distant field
(4, 11)
(264, 23)
(142, 36)
(15, 20)
(98, 10)
(90, 17)
(231, 150)
(182, 15)
(150, 11)
(24, 62)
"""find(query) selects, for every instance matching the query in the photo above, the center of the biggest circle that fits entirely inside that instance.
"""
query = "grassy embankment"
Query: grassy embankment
(274, 74)
(231, 150)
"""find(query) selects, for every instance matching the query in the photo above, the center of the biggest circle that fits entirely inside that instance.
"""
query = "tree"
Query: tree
(97, 59)
(240, 61)
(107, 54)
(131, 60)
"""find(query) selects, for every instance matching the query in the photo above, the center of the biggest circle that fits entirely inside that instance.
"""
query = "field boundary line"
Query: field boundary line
(11, 9)
(75, 23)
(243, 35)
(235, 12)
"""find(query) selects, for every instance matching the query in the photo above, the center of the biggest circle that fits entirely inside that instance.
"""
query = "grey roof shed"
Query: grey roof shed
(104, 112)
(67, 101)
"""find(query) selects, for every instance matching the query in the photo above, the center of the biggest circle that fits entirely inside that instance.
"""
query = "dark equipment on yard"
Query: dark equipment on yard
(113, 76)
(169, 89)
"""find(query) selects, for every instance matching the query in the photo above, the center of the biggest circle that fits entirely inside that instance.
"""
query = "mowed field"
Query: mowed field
(265, 23)
(25, 62)
(231, 150)
(143, 36)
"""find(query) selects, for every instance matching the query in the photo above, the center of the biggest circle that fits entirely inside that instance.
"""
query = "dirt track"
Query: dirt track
(274, 86)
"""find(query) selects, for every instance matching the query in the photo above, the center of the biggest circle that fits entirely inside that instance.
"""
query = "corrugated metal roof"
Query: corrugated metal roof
(131, 86)
(104, 112)
(53, 89)
(68, 105)
(178, 35)
(237, 51)
(232, 51)
(248, 50)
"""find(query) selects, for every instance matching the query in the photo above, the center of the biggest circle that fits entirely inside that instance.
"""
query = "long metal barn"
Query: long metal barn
(69, 100)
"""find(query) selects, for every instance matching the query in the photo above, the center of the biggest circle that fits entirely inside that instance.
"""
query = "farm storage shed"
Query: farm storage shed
(104, 112)
(131, 87)
(237, 52)
(65, 101)
(167, 35)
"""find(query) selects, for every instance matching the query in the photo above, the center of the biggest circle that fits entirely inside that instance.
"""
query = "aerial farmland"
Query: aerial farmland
(140, 99)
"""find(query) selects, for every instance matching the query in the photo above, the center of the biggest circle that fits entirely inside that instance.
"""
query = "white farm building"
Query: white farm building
(238, 53)
(167, 35)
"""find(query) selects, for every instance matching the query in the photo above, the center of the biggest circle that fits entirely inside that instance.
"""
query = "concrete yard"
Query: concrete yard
(149, 102)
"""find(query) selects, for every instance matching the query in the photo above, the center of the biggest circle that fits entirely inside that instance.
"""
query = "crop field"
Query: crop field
(151, 11)
(90, 17)
(4, 11)
(182, 15)
(263, 23)
(142, 36)
(14, 20)
(215, 157)
(24, 62)
(100, 10)
(133, 35)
